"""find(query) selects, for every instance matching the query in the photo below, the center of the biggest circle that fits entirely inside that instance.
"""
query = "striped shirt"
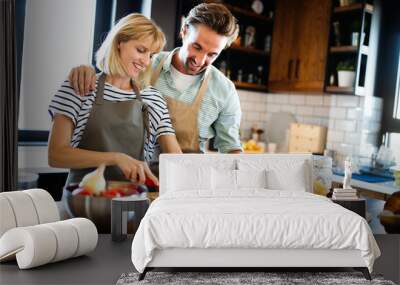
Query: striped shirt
(77, 108)
(219, 114)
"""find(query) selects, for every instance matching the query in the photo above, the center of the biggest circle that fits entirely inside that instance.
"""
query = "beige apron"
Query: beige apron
(114, 127)
(184, 116)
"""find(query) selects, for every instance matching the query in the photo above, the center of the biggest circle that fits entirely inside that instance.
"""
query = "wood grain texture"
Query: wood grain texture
(312, 32)
(282, 41)
(300, 45)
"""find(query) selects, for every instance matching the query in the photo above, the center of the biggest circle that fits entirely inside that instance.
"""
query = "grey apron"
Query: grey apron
(113, 127)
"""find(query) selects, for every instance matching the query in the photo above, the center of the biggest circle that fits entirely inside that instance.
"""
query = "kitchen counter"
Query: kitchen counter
(380, 191)
(376, 195)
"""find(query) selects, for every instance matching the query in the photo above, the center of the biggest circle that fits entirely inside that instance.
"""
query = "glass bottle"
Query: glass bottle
(259, 74)
(240, 75)
(267, 43)
(250, 78)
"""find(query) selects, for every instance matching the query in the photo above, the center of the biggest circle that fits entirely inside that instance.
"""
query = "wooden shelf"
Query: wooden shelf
(354, 7)
(337, 89)
(249, 50)
(247, 85)
(349, 49)
(248, 13)
(359, 54)
(342, 49)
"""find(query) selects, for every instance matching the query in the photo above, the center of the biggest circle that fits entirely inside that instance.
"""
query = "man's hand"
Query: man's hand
(83, 79)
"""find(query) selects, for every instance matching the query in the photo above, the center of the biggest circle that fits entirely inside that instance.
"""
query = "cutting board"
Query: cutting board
(307, 138)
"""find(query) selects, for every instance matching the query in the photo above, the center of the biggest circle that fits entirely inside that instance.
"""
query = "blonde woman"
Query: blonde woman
(120, 123)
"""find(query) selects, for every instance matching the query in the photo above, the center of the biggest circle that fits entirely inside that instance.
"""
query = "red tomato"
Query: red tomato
(120, 190)
(150, 183)
(111, 193)
(108, 195)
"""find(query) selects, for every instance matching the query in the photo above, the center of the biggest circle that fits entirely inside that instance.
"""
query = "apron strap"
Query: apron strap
(136, 90)
(145, 110)
(157, 71)
(100, 89)
(203, 88)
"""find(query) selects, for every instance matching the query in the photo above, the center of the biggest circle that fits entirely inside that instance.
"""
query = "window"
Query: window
(396, 106)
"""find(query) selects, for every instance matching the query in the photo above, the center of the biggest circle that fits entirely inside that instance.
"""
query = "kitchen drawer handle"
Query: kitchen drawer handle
(290, 68)
(297, 67)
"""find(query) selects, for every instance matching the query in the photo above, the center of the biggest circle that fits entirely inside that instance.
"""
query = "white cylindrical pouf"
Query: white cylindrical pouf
(33, 246)
(87, 234)
(23, 208)
(40, 247)
(7, 218)
(40, 244)
(45, 205)
(67, 240)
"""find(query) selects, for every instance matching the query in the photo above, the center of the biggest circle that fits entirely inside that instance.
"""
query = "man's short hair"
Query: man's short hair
(217, 17)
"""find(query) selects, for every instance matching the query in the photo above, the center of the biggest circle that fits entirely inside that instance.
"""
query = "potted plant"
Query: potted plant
(346, 73)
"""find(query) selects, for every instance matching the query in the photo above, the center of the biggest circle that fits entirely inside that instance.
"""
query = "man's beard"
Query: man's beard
(189, 71)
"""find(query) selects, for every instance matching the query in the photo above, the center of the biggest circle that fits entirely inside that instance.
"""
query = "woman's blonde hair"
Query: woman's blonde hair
(131, 27)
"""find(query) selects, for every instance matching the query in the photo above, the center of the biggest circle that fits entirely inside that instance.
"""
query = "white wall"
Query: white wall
(353, 122)
(58, 35)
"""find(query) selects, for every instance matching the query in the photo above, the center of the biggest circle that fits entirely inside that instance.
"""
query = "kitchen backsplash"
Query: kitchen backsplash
(353, 122)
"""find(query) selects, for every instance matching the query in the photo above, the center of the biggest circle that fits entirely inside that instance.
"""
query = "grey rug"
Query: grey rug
(243, 278)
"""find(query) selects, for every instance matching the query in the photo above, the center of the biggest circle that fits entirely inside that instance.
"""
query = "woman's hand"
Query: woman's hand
(62, 154)
(133, 169)
(83, 79)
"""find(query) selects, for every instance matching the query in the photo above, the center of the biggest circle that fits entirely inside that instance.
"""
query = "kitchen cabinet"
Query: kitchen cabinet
(352, 48)
(281, 65)
(299, 47)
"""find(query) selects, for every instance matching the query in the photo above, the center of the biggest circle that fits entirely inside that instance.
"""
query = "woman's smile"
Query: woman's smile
(137, 67)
